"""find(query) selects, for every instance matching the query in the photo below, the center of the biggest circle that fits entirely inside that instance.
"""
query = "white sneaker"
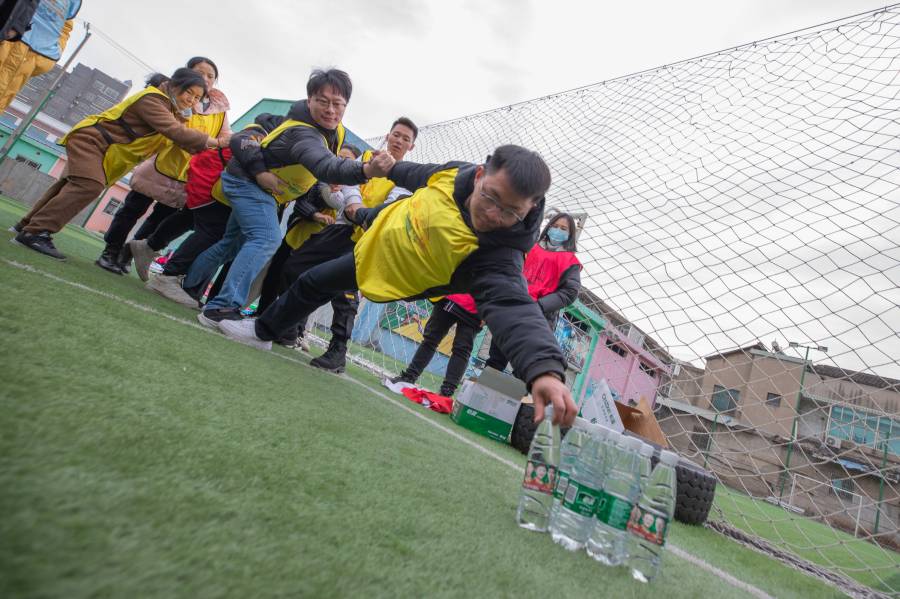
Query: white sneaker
(143, 256)
(244, 331)
(303, 344)
(170, 288)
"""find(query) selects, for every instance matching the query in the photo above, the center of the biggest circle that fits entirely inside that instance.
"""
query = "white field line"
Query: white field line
(739, 584)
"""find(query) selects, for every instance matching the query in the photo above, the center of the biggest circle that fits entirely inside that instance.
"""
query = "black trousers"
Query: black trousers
(316, 287)
(171, 228)
(436, 329)
(128, 214)
(287, 266)
(209, 226)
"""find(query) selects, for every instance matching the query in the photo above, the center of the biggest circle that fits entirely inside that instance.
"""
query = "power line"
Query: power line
(116, 45)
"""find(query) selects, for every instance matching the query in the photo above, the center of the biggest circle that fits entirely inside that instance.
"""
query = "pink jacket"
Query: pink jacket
(153, 184)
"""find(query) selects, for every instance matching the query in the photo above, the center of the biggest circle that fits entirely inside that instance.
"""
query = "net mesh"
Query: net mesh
(741, 257)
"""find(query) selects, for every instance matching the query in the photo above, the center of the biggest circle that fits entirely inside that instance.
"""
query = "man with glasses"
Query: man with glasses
(281, 166)
(465, 229)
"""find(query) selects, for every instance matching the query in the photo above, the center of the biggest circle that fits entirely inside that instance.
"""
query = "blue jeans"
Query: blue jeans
(251, 238)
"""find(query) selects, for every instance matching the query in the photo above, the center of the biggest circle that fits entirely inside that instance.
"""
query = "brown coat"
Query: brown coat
(152, 113)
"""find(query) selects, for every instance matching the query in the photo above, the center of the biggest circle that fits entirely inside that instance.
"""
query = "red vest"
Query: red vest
(464, 301)
(543, 269)
(203, 171)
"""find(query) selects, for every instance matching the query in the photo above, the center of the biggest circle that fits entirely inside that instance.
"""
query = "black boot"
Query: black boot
(335, 357)
(448, 390)
(109, 260)
(123, 260)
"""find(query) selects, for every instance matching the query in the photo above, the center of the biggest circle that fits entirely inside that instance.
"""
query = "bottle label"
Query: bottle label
(648, 525)
(539, 477)
(562, 484)
(580, 498)
(613, 511)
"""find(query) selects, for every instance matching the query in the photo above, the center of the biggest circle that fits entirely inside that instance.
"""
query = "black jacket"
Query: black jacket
(297, 145)
(493, 275)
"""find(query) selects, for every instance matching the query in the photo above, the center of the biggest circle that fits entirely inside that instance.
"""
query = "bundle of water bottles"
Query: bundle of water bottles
(596, 489)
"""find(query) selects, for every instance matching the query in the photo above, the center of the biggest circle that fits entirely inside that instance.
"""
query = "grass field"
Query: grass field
(141, 455)
(818, 543)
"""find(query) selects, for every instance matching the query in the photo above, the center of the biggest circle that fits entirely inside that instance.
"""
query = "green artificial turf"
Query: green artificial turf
(143, 456)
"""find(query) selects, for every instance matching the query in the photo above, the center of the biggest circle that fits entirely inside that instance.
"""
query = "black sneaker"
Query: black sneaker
(108, 260)
(211, 317)
(289, 342)
(401, 378)
(40, 242)
(334, 359)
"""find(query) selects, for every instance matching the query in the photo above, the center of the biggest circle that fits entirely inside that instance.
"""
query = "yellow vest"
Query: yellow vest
(297, 176)
(172, 161)
(415, 244)
(374, 193)
(121, 158)
(303, 230)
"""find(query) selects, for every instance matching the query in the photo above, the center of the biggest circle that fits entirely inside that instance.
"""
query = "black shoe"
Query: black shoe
(288, 342)
(211, 317)
(402, 378)
(40, 242)
(334, 359)
(447, 391)
(108, 260)
(123, 260)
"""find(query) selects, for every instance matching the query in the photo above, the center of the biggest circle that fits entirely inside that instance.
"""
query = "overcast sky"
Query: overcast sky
(432, 61)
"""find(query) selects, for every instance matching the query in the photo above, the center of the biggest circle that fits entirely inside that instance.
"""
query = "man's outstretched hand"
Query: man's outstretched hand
(547, 389)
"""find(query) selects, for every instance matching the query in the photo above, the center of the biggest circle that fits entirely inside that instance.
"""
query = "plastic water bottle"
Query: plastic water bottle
(649, 521)
(574, 516)
(645, 466)
(621, 491)
(536, 497)
(569, 450)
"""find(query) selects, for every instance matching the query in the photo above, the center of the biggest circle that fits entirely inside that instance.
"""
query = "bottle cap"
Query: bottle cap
(646, 449)
(669, 458)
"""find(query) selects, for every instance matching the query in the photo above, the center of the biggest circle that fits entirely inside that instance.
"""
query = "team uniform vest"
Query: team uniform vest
(172, 161)
(120, 158)
(544, 268)
(298, 179)
(414, 245)
(304, 229)
(464, 301)
(374, 193)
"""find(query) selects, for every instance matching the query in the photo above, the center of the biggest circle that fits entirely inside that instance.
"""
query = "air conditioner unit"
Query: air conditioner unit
(833, 442)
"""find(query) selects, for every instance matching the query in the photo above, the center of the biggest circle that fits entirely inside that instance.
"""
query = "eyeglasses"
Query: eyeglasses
(506, 214)
(338, 105)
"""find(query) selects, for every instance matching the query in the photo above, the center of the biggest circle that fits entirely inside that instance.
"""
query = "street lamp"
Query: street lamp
(790, 450)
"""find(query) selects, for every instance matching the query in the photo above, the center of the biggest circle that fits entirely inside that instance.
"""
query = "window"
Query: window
(725, 400)
(615, 347)
(865, 428)
(31, 163)
(111, 207)
(648, 370)
(773, 399)
(844, 488)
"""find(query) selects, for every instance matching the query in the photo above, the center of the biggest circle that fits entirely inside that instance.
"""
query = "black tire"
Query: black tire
(524, 428)
(696, 490)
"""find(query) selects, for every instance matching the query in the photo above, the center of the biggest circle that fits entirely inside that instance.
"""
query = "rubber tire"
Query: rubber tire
(696, 491)
(524, 428)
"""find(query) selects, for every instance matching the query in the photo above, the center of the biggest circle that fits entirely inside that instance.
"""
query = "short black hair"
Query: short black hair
(527, 171)
(336, 78)
(184, 78)
(156, 79)
(407, 122)
(201, 59)
(353, 149)
(570, 245)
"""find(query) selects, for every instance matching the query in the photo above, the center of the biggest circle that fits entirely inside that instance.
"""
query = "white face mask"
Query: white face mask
(186, 113)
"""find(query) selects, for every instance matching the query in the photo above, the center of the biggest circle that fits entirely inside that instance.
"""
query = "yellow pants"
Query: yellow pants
(18, 64)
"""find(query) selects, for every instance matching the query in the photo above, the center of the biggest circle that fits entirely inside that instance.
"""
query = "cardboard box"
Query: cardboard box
(489, 405)
(599, 407)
